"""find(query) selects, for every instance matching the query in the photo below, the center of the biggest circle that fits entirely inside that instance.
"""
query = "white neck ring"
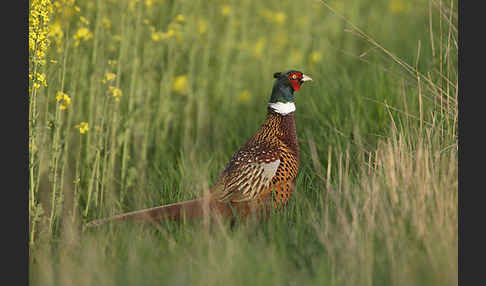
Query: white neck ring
(282, 108)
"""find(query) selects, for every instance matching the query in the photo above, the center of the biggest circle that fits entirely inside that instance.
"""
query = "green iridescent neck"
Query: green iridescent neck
(282, 93)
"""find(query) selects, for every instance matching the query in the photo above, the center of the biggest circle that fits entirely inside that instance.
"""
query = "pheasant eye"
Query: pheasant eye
(294, 76)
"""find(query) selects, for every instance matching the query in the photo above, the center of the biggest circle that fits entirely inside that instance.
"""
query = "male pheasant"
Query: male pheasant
(261, 175)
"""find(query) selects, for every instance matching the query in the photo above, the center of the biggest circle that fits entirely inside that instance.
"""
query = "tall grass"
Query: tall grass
(158, 96)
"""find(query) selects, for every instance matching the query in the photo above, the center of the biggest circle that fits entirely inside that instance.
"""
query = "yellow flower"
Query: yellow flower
(158, 36)
(398, 6)
(280, 17)
(259, 47)
(82, 34)
(39, 16)
(106, 22)
(244, 96)
(149, 3)
(41, 77)
(108, 77)
(132, 3)
(83, 19)
(55, 32)
(59, 96)
(180, 18)
(315, 57)
(83, 127)
(115, 92)
(202, 26)
(181, 84)
(226, 9)
(276, 17)
(38, 79)
(64, 100)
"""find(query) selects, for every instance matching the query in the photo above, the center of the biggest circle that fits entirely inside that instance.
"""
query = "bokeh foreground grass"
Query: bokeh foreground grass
(134, 104)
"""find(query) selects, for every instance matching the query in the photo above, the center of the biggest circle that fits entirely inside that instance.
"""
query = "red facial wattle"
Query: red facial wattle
(295, 83)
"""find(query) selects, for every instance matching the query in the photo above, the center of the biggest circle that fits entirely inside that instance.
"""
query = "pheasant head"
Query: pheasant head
(282, 99)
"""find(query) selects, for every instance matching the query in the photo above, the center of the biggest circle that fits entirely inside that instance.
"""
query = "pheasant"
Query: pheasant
(260, 175)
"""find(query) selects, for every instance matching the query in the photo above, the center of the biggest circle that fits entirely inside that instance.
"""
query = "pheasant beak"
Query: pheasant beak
(306, 78)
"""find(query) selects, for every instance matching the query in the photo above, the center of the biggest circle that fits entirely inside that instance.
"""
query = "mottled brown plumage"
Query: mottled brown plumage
(261, 174)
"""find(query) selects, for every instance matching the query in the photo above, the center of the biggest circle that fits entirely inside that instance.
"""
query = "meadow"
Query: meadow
(135, 104)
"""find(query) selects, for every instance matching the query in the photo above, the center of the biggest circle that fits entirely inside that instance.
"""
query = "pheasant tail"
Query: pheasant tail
(177, 211)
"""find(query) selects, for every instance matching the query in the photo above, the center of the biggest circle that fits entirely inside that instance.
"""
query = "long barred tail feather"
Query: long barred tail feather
(176, 211)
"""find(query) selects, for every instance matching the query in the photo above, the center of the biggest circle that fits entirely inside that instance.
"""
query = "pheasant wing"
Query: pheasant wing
(249, 173)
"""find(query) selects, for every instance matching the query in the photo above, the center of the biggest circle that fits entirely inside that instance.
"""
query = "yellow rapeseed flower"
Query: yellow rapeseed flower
(280, 17)
(149, 3)
(132, 3)
(41, 78)
(83, 127)
(226, 9)
(398, 6)
(180, 18)
(64, 100)
(315, 57)
(39, 16)
(106, 22)
(181, 84)
(55, 32)
(244, 96)
(82, 33)
(276, 17)
(38, 79)
(170, 33)
(158, 36)
(202, 26)
(83, 20)
(109, 76)
(115, 92)
(259, 47)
